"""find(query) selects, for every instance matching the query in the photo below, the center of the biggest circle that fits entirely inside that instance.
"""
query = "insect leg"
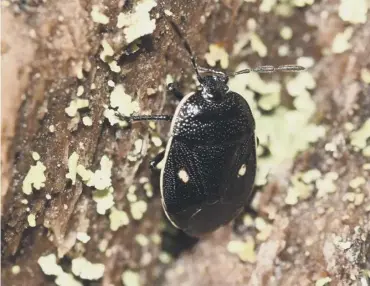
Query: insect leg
(172, 87)
(150, 117)
(145, 117)
(153, 163)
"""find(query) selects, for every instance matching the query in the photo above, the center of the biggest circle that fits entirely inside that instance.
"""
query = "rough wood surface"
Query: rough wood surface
(44, 45)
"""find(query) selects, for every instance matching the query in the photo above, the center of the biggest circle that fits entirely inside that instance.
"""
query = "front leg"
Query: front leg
(158, 158)
(172, 87)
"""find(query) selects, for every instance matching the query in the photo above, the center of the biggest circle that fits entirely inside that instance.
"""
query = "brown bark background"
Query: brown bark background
(45, 46)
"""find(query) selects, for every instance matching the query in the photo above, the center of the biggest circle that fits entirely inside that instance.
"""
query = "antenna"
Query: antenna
(270, 69)
(185, 43)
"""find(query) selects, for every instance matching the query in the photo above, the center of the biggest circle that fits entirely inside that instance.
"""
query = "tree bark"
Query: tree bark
(51, 51)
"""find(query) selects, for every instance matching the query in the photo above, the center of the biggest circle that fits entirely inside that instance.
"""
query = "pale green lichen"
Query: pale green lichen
(72, 167)
(122, 101)
(365, 75)
(323, 281)
(341, 243)
(283, 50)
(113, 119)
(284, 9)
(297, 190)
(349, 197)
(86, 270)
(217, 54)
(267, 5)
(264, 229)
(87, 121)
(83, 237)
(16, 269)
(257, 84)
(73, 124)
(168, 12)
(101, 179)
(286, 33)
(354, 12)
(97, 16)
(359, 199)
(245, 250)
(257, 45)
(107, 52)
(80, 90)
(156, 238)
(49, 266)
(142, 240)
(137, 23)
(282, 127)
(341, 41)
(157, 141)
(104, 200)
(165, 257)
(148, 190)
(31, 218)
(130, 278)
(366, 151)
(114, 67)
(301, 3)
(326, 185)
(75, 105)
(306, 62)
(117, 219)
(248, 220)
(35, 178)
(84, 173)
(66, 279)
(359, 137)
(35, 156)
(366, 166)
(103, 245)
(301, 84)
(269, 101)
(311, 176)
(138, 209)
(357, 182)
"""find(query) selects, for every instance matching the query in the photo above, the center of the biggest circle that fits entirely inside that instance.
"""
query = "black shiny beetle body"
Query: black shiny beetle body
(210, 158)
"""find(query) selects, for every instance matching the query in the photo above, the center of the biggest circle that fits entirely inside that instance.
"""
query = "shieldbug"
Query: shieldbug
(210, 157)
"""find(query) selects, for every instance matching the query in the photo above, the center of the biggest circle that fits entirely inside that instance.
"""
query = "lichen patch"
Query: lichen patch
(217, 54)
(35, 178)
(117, 219)
(137, 23)
(97, 16)
(75, 105)
(122, 101)
(130, 278)
(354, 12)
(49, 266)
(359, 137)
(245, 250)
(86, 270)
(72, 167)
